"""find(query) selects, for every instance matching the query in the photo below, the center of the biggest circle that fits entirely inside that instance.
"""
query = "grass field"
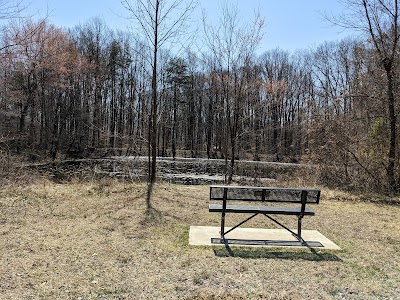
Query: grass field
(96, 241)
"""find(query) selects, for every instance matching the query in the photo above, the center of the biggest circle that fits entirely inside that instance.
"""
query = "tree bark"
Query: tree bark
(153, 115)
(392, 129)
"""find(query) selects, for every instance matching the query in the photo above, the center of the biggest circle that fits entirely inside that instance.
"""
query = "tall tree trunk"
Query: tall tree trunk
(210, 127)
(153, 114)
(174, 123)
(392, 129)
(232, 162)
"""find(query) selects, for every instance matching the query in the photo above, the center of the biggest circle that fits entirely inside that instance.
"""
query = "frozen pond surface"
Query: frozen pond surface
(203, 171)
(178, 170)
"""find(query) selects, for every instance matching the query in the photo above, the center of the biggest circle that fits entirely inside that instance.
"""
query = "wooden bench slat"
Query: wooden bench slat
(260, 209)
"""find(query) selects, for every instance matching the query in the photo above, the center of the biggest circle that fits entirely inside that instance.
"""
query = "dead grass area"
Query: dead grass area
(96, 241)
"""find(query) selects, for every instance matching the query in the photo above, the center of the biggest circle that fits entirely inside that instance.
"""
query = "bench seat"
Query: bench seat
(296, 211)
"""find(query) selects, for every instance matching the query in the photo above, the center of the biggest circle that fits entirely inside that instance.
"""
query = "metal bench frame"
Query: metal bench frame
(263, 210)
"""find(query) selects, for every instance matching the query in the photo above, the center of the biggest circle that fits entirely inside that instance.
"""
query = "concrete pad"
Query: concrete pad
(202, 235)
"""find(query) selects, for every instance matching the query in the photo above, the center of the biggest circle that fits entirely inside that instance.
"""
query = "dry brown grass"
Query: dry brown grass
(96, 241)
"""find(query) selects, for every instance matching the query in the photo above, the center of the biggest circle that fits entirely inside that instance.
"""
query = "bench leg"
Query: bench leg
(299, 229)
(222, 232)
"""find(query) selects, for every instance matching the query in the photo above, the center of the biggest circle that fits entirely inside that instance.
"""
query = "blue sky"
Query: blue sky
(290, 24)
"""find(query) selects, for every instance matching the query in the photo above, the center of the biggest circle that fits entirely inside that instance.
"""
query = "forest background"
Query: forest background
(90, 91)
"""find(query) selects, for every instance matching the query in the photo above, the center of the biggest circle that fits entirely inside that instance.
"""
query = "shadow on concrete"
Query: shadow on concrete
(308, 254)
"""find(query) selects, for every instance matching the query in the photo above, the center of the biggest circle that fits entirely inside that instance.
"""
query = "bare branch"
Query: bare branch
(11, 9)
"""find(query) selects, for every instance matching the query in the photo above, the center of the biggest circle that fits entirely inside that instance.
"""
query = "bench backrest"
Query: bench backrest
(264, 194)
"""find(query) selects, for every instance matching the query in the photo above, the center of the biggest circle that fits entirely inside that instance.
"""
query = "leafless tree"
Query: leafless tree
(11, 9)
(379, 20)
(160, 22)
(232, 46)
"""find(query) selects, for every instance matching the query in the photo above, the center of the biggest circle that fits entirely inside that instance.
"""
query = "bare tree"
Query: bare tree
(160, 22)
(379, 19)
(232, 46)
(9, 10)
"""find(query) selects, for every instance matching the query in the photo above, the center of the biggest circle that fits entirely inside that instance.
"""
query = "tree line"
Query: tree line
(89, 90)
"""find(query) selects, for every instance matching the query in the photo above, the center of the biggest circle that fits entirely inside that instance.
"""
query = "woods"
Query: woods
(93, 91)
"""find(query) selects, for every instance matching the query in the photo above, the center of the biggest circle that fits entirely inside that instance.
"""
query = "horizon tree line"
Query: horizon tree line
(90, 91)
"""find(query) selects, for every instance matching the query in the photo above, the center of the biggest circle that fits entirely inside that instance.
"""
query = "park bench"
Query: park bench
(267, 201)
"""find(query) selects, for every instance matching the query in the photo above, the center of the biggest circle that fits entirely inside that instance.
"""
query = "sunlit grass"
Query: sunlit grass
(96, 240)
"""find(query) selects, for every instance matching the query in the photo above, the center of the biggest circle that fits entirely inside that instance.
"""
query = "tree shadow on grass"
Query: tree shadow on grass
(308, 254)
(152, 215)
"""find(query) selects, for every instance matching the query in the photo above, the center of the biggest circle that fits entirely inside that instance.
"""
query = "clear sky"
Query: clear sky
(290, 24)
